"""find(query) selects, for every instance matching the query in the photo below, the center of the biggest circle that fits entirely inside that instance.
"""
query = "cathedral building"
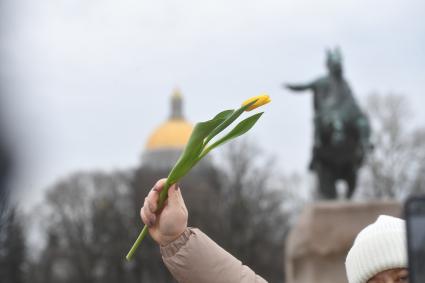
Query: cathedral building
(166, 142)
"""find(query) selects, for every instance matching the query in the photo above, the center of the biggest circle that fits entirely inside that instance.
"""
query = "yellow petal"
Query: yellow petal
(259, 101)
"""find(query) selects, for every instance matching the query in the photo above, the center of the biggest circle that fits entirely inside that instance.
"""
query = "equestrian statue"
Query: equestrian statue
(341, 129)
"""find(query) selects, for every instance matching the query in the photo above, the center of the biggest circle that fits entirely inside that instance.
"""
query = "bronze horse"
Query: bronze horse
(341, 129)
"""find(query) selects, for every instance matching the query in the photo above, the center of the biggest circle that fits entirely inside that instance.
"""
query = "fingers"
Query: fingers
(147, 212)
(150, 205)
(153, 195)
(159, 185)
(147, 215)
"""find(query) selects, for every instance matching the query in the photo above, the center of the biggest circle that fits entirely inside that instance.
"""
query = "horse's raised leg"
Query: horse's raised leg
(327, 188)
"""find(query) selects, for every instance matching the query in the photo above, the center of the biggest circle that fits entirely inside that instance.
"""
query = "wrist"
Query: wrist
(173, 247)
(165, 241)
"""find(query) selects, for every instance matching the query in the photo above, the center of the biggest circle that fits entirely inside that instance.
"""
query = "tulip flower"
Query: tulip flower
(260, 100)
(200, 144)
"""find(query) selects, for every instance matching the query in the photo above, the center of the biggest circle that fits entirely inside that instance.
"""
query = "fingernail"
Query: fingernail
(176, 186)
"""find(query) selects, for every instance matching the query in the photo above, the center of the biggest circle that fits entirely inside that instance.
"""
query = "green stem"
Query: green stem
(136, 244)
(162, 197)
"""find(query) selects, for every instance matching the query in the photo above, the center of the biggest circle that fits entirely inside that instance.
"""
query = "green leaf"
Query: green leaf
(230, 119)
(195, 145)
(224, 114)
(240, 129)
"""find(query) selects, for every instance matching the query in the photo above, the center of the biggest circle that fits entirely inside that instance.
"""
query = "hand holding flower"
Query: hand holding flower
(167, 224)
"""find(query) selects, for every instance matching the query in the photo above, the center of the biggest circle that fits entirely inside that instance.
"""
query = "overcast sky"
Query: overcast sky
(86, 81)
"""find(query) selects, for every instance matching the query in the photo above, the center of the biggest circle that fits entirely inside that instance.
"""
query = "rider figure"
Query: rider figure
(332, 94)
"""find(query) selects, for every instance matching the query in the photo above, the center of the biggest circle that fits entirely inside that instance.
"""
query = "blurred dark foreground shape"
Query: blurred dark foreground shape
(12, 238)
(5, 174)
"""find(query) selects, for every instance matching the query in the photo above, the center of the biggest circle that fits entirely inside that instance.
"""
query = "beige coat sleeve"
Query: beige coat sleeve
(195, 258)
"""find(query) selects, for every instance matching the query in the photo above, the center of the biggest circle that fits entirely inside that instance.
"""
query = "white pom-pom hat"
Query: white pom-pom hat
(378, 247)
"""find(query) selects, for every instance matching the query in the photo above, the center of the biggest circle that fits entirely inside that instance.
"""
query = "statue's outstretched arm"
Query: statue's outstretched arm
(298, 87)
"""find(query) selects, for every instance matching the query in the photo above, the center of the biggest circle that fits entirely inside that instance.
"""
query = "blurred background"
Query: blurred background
(97, 99)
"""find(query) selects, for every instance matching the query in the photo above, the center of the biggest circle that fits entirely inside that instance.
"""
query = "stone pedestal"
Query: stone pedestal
(318, 243)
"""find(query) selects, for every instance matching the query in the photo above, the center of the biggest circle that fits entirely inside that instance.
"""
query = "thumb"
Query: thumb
(174, 195)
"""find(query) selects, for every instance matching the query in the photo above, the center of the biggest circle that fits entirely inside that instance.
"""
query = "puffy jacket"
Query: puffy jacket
(195, 258)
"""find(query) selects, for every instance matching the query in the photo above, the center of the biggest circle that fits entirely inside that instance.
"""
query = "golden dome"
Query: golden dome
(172, 134)
(175, 132)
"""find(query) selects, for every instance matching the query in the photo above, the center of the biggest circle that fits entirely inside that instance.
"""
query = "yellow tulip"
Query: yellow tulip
(260, 100)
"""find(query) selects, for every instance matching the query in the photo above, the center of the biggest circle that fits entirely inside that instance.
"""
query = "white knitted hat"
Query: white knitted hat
(378, 247)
